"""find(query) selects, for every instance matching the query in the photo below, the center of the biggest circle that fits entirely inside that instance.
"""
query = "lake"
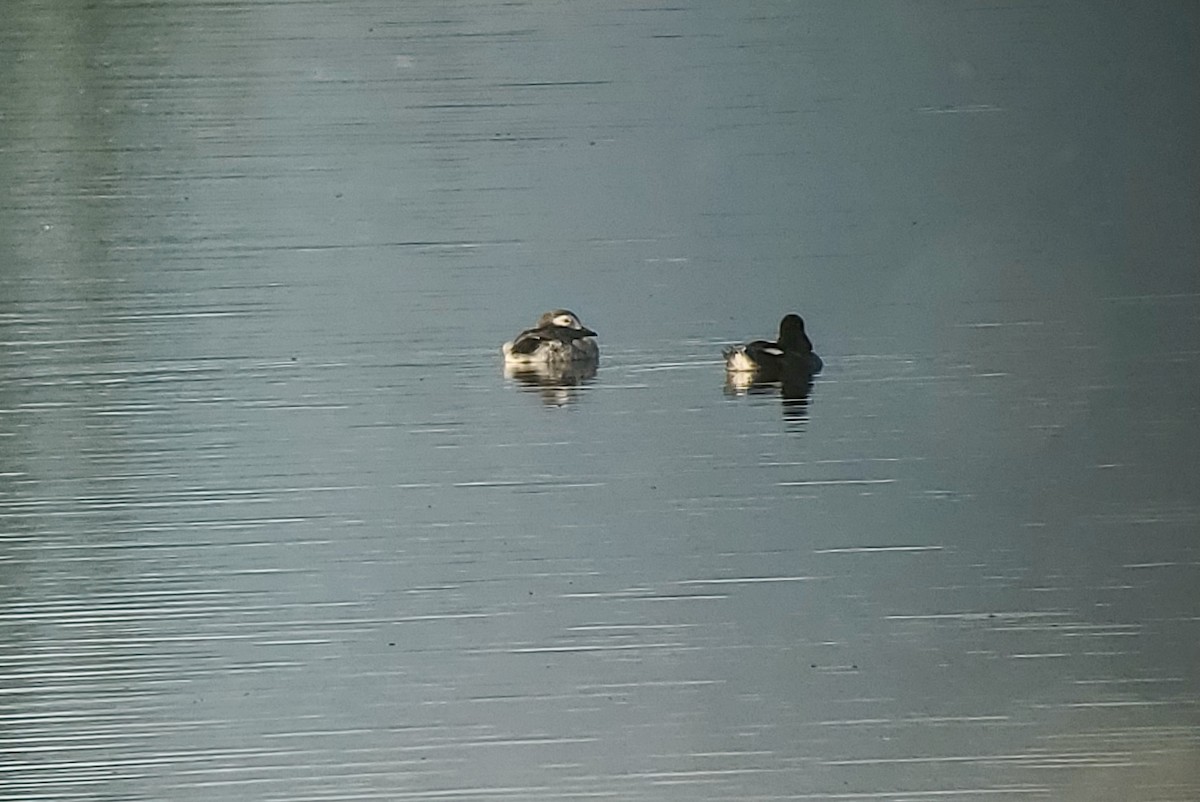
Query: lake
(275, 524)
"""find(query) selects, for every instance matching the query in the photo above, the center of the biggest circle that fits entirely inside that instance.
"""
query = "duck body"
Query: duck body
(557, 338)
(788, 357)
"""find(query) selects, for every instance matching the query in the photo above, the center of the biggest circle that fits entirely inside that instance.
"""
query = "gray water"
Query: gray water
(275, 525)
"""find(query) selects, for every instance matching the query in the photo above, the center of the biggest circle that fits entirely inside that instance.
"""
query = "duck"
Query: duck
(788, 357)
(557, 337)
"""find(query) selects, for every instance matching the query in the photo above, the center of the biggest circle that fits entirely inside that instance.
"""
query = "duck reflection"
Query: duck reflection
(558, 383)
(794, 390)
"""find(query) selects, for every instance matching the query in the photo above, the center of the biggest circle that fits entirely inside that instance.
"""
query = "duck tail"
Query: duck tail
(737, 360)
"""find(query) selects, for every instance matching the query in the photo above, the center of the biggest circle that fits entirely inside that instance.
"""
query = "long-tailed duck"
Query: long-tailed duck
(557, 337)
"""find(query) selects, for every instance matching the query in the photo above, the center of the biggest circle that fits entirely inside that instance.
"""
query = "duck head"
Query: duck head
(565, 319)
(791, 334)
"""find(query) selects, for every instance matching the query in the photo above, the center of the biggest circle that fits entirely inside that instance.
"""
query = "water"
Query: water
(274, 524)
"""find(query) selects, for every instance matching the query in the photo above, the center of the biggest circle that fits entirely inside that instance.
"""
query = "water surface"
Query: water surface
(275, 525)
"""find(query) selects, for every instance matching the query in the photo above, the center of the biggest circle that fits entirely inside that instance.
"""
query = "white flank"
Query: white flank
(550, 351)
(737, 361)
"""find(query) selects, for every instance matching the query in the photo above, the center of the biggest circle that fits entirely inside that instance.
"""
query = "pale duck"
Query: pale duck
(558, 337)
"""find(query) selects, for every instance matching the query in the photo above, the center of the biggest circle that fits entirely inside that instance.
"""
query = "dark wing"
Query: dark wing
(768, 356)
(528, 340)
(775, 363)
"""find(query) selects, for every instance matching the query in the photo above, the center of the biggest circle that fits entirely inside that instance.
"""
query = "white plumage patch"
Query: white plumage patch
(737, 361)
(552, 351)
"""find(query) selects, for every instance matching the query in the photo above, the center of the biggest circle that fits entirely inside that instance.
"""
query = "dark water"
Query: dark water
(274, 524)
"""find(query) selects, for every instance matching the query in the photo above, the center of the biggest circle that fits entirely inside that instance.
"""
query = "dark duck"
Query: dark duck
(790, 356)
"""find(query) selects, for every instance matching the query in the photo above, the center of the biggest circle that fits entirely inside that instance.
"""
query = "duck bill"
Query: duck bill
(586, 332)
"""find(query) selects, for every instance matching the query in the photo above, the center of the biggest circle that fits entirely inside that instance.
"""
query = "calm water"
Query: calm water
(274, 524)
